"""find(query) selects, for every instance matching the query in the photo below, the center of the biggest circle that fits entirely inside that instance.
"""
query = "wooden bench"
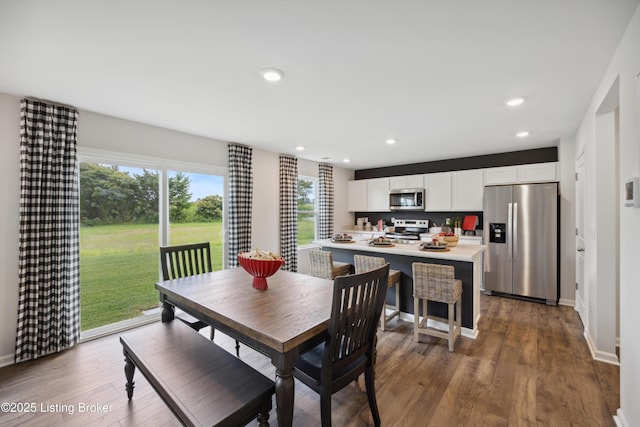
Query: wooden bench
(202, 384)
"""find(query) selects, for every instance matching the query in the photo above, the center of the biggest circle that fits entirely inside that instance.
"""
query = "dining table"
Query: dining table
(282, 322)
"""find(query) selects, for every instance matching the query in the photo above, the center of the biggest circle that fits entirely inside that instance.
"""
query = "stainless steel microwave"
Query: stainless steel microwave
(406, 199)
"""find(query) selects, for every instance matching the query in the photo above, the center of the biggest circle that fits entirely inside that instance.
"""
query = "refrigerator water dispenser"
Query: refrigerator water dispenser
(497, 232)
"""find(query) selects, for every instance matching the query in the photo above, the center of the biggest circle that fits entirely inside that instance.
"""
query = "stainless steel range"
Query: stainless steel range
(408, 229)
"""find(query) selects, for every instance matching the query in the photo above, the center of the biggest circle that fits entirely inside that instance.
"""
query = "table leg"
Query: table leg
(285, 391)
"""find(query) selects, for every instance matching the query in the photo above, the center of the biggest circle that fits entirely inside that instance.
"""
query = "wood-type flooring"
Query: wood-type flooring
(529, 366)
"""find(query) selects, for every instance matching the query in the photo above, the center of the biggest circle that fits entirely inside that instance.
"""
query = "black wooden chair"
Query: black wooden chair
(188, 260)
(349, 349)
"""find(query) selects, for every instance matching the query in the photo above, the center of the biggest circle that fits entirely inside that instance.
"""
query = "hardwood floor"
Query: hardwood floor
(529, 366)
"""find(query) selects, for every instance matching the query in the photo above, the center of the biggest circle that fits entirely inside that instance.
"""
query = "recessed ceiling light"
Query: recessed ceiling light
(272, 74)
(522, 134)
(299, 148)
(391, 141)
(514, 102)
(346, 160)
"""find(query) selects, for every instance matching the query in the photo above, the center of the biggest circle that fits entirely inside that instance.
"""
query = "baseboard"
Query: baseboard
(7, 360)
(620, 420)
(579, 307)
(600, 356)
(567, 302)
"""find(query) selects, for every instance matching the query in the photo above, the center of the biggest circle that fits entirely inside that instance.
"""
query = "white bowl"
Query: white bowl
(435, 230)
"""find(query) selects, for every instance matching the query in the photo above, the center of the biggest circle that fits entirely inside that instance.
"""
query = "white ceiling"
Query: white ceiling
(433, 74)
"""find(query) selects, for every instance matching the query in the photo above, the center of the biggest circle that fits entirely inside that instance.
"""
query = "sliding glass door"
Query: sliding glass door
(127, 211)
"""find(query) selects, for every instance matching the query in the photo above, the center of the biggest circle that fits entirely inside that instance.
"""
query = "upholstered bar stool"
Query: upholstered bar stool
(436, 283)
(367, 263)
(323, 265)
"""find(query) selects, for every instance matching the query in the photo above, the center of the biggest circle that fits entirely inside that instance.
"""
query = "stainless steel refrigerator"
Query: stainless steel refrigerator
(521, 232)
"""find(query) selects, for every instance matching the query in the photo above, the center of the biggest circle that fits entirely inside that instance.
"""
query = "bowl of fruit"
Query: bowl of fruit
(260, 264)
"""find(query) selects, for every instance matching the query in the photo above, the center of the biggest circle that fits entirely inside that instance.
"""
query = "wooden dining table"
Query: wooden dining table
(291, 316)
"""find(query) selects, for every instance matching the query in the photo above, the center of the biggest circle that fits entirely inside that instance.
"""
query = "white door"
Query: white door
(581, 296)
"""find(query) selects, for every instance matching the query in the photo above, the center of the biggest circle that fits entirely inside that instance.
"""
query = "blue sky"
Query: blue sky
(202, 185)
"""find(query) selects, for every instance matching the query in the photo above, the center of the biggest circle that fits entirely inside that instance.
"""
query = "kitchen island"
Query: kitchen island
(466, 259)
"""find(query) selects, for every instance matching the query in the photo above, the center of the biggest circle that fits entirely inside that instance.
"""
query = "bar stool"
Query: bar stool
(367, 263)
(436, 283)
(323, 265)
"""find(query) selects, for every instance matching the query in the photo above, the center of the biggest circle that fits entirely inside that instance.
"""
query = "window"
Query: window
(307, 210)
(128, 208)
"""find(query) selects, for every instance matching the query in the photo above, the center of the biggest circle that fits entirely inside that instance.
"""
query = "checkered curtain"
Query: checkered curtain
(49, 257)
(325, 201)
(240, 198)
(289, 212)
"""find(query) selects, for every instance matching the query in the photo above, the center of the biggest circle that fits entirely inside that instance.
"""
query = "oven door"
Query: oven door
(409, 199)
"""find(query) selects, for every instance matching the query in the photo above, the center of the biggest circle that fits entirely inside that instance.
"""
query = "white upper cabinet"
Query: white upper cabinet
(378, 195)
(357, 196)
(538, 172)
(503, 175)
(438, 195)
(468, 190)
(406, 181)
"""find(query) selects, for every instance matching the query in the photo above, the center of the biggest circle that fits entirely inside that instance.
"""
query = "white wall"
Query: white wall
(9, 223)
(103, 133)
(624, 68)
(566, 158)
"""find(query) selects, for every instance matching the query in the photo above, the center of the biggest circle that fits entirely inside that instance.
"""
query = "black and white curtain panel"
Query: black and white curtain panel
(49, 258)
(240, 200)
(325, 201)
(289, 211)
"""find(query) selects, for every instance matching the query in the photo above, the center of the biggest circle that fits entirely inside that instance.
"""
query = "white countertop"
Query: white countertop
(461, 252)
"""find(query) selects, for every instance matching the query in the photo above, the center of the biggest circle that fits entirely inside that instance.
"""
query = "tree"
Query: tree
(179, 197)
(209, 208)
(107, 195)
(305, 195)
(147, 197)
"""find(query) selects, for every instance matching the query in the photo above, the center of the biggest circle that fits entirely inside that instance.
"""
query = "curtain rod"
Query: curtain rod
(57, 104)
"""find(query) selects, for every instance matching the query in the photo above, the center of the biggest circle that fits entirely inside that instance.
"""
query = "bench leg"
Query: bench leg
(129, 370)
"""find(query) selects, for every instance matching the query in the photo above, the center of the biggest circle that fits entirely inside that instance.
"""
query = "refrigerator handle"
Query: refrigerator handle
(515, 232)
(509, 230)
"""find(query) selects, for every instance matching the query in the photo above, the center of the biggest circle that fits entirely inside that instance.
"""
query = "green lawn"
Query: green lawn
(119, 265)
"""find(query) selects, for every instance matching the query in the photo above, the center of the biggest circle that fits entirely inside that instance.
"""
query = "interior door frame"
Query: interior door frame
(582, 290)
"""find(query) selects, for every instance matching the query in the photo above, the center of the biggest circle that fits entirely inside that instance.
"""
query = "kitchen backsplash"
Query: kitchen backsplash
(437, 218)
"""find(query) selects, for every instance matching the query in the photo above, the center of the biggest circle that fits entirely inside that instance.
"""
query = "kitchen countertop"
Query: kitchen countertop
(461, 252)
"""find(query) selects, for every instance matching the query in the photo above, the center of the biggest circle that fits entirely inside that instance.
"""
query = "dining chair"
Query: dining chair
(188, 260)
(323, 265)
(364, 263)
(349, 349)
(432, 282)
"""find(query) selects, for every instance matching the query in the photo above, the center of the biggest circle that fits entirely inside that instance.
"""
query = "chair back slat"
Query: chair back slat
(357, 306)
(185, 260)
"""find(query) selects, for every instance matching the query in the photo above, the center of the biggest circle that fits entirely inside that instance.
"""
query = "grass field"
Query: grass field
(119, 265)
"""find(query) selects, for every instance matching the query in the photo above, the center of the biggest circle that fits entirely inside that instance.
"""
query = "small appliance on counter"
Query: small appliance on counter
(469, 224)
